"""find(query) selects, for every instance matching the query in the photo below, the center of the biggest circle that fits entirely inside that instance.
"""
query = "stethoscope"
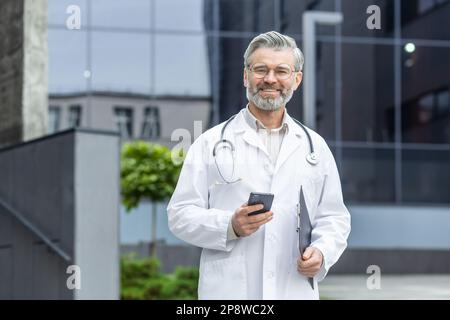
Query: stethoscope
(311, 157)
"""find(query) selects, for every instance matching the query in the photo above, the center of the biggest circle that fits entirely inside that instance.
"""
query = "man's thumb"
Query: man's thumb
(308, 253)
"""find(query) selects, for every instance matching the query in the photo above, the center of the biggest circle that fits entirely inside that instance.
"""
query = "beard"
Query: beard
(268, 104)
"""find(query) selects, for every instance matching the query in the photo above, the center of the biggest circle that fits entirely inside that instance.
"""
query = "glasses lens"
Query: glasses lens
(282, 72)
(260, 71)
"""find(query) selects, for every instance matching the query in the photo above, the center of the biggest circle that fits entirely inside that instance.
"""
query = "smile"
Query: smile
(269, 91)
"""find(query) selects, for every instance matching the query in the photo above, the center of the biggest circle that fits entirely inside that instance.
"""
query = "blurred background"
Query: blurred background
(144, 68)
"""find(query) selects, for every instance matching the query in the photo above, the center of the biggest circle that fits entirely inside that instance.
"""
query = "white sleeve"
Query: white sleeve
(189, 215)
(331, 225)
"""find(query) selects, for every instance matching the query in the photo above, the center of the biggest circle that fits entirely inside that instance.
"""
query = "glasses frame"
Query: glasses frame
(292, 71)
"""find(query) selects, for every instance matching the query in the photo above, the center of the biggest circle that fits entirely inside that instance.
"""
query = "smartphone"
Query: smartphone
(265, 199)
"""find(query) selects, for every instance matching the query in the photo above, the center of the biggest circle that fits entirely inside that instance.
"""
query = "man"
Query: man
(263, 150)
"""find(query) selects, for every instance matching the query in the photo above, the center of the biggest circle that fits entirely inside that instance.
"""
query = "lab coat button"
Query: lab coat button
(270, 274)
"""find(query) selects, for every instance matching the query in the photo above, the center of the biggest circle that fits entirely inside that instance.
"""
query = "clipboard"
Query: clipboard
(304, 228)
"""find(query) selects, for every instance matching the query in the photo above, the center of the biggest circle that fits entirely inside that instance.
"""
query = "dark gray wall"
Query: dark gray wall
(66, 186)
(393, 261)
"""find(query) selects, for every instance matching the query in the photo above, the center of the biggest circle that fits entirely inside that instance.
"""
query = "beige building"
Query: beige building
(135, 116)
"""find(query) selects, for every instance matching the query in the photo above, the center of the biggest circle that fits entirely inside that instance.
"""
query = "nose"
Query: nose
(270, 77)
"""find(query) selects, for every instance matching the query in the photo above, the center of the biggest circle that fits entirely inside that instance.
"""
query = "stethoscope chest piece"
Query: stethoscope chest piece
(312, 158)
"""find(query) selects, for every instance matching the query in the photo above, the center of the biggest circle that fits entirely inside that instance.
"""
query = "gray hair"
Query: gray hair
(275, 40)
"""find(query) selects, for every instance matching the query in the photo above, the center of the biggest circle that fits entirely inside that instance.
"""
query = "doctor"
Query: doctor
(261, 149)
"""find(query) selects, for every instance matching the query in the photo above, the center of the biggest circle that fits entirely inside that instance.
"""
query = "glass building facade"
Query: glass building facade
(383, 95)
(383, 99)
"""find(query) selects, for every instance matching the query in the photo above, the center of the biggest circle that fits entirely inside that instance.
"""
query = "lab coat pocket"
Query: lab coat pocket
(228, 274)
(228, 196)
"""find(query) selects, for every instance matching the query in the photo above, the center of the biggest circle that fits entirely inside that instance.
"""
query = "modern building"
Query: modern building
(382, 99)
(383, 105)
(134, 116)
(130, 68)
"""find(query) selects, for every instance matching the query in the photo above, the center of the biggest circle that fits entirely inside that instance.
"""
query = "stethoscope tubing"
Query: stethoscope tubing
(311, 157)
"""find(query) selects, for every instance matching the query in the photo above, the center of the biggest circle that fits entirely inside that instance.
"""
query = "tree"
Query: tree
(147, 172)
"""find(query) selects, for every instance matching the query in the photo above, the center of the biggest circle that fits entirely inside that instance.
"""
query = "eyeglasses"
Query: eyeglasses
(282, 71)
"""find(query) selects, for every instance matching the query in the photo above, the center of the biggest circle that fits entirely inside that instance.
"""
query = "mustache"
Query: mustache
(265, 87)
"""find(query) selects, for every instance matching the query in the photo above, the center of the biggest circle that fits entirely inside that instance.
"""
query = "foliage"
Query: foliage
(147, 171)
(142, 280)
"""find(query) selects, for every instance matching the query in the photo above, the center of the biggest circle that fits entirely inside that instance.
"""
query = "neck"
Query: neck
(271, 119)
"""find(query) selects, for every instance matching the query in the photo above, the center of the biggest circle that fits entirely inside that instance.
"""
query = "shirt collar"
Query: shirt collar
(256, 124)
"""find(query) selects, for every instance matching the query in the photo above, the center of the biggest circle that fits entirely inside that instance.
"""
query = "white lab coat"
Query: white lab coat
(264, 264)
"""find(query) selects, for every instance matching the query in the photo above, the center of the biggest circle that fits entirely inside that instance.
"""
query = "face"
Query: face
(271, 93)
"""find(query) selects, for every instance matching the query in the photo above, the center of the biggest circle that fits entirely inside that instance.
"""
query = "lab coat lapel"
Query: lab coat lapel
(249, 134)
(291, 142)
(251, 137)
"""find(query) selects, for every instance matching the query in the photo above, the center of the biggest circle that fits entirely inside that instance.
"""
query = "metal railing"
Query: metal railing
(35, 230)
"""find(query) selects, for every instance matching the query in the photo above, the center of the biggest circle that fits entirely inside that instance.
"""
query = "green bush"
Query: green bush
(141, 279)
(183, 284)
(147, 172)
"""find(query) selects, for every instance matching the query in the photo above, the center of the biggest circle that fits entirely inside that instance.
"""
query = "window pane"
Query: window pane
(229, 71)
(188, 15)
(67, 61)
(425, 91)
(74, 116)
(121, 13)
(54, 118)
(425, 19)
(368, 92)
(443, 102)
(291, 15)
(368, 175)
(124, 121)
(241, 15)
(151, 128)
(325, 89)
(425, 176)
(121, 62)
(425, 5)
(181, 73)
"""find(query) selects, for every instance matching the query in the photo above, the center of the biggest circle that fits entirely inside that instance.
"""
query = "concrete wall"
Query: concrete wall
(97, 198)
(23, 70)
(66, 187)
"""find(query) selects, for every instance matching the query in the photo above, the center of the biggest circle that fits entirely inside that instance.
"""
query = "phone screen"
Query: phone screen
(265, 199)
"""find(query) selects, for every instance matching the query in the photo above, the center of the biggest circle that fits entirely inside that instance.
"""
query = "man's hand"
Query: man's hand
(245, 225)
(309, 264)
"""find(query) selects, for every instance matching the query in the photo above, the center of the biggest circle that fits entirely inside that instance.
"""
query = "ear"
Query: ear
(298, 80)
(245, 78)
